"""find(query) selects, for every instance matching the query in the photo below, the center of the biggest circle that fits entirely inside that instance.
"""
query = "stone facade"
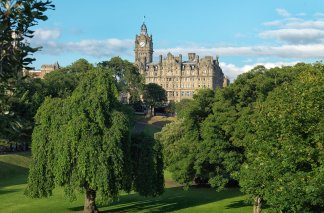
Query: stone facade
(180, 78)
(45, 68)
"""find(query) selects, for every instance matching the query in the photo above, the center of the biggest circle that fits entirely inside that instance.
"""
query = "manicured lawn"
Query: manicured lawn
(13, 176)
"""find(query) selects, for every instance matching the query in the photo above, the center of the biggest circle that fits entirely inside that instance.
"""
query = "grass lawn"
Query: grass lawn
(13, 178)
(153, 124)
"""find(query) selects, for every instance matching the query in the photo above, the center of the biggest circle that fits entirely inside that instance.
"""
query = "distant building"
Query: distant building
(180, 78)
(45, 68)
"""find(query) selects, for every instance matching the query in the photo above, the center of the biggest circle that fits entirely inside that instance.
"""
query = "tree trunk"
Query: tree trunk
(150, 112)
(257, 205)
(89, 202)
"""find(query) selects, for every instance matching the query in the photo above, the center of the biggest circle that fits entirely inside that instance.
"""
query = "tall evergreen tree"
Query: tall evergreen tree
(16, 20)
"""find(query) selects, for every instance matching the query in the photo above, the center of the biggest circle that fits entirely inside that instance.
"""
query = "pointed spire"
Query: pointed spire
(143, 28)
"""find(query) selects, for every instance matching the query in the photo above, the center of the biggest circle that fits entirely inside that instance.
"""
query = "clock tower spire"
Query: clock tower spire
(143, 47)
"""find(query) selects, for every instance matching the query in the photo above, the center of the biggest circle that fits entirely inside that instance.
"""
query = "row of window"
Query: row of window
(176, 79)
(182, 93)
(193, 73)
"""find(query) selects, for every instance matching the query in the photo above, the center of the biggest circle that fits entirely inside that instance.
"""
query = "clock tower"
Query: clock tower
(143, 47)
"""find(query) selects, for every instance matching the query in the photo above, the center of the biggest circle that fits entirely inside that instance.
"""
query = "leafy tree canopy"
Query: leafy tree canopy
(82, 142)
(284, 151)
(127, 77)
(16, 19)
(154, 95)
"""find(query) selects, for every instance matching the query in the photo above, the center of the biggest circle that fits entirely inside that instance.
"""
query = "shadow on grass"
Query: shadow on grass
(12, 174)
(161, 124)
(173, 199)
(6, 191)
(238, 204)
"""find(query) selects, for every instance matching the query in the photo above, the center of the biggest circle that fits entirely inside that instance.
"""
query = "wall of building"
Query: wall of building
(178, 77)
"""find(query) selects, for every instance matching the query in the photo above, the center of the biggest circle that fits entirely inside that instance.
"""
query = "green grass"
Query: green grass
(154, 124)
(13, 177)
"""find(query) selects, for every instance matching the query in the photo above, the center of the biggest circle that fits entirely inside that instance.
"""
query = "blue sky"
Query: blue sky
(242, 33)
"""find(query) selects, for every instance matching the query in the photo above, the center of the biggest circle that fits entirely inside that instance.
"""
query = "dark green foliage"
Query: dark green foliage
(16, 19)
(181, 106)
(80, 141)
(147, 161)
(79, 66)
(182, 147)
(154, 95)
(127, 77)
(178, 151)
(265, 131)
(23, 105)
(60, 83)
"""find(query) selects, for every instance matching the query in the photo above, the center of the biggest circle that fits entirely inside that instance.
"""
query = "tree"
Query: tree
(16, 19)
(181, 106)
(79, 66)
(60, 84)
(284, 165)
(154, 95)
(127, 77)
(147, 165)
(82, 142)
(181, 148)
(177, 151)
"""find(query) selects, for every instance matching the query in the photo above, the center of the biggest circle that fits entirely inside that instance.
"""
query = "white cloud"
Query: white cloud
(301, 51)
(232, 71)
(283, 12)
(319, 14)
(295, 36)
(273, 23)
(317, 24)
(96, 48)
(46, 34)
(293, 30)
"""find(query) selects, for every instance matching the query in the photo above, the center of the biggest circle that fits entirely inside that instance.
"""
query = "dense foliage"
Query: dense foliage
(154, 96)
(284, 150)
(147, 165)
(263, 132)
(82, 142)
(127, 77)
(181, 147)
(16, 19)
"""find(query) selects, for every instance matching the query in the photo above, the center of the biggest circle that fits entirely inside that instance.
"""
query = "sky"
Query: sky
(242, 33)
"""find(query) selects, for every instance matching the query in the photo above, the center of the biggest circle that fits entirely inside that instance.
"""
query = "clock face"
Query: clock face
(142, 43)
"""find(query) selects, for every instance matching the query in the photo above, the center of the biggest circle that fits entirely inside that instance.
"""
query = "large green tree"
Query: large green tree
(147, 165)
(182, 147)
(284, 150)
(127, 77)
(16, 20)
(154, 95)
(82, 142)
